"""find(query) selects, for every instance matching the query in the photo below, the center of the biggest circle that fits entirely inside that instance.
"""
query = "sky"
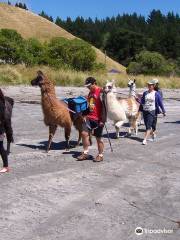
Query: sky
(99, 8)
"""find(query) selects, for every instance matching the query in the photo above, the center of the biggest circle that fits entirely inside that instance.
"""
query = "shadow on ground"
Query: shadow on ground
(176, 122)
(54, 146)
(124, 135)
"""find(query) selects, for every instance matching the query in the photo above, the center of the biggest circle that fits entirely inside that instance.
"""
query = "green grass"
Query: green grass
(20, 75)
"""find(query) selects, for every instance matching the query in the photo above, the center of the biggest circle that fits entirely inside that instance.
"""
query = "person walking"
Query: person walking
(93, 121)
(3, 152)
(157, 89)
(151, 106)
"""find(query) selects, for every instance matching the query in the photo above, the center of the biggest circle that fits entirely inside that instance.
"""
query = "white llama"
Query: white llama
(121, 110)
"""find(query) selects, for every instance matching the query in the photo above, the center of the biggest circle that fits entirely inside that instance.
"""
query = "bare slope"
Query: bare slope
(29, 25)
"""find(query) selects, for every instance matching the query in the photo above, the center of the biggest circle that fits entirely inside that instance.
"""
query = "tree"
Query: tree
(59, 22)
(21, 5)
(75, 54)
(123, 45)
(34, 52)
(12, 46)
(160, 33)
(45, 15)
(152, 63)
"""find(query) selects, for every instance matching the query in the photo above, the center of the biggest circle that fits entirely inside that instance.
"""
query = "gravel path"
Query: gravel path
(52, 196)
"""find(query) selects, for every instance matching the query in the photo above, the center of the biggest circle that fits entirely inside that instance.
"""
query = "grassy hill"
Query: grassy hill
(30, 25)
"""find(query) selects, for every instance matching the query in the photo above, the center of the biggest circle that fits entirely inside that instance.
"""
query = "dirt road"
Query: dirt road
(52, 196)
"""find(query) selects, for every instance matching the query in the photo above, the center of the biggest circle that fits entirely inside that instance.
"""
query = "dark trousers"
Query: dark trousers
(3, 154)
(150, 120)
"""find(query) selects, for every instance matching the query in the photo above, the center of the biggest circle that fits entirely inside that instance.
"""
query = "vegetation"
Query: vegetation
(123, 37)
(45, 15)
(20, 74)
(20, 5)
(150, 63)
(59, 52)
(146, 46)
(31, 26)
(74, 53)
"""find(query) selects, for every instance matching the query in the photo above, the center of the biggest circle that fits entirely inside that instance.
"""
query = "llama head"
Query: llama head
(39, 80)
(132, 83)
(110, 87)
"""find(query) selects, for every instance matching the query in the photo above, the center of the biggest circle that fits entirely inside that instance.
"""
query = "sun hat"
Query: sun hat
(156, 80)
(152, 82)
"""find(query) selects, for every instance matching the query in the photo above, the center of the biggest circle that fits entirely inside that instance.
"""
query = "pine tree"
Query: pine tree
(25, 7)
(44, 15)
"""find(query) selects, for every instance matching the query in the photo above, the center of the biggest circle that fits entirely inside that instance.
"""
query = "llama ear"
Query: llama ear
(40, 73)
(134, 80)
(113, 82)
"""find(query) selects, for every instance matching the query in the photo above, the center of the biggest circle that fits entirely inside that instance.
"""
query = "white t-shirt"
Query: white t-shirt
(149, 102)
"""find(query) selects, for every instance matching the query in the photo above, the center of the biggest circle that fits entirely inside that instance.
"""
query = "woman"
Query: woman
(157, 89)
(3, 152)
(151, 103)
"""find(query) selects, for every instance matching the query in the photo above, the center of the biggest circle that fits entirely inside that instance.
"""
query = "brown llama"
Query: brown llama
(55, 111)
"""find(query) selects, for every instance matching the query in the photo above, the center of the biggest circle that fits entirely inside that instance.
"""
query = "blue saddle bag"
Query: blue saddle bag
(78, 104)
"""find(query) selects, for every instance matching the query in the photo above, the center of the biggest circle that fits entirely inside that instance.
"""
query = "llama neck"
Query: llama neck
(111, 99)
(132, 91)
(48, 89)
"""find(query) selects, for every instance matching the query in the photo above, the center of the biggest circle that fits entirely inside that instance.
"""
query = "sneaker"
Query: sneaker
(98, 159)
(4, 170)
(82, 157)
(154, 136)
(144, 142)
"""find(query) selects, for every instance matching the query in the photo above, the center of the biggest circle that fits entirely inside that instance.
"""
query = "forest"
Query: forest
(145, 45)
(125, 36)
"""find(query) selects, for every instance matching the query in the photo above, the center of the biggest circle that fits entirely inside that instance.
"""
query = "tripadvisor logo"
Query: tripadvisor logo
(139, 231)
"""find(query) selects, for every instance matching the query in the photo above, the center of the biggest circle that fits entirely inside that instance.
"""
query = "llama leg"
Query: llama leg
(137, 122)
(79, 138)
(90, 139)
(67, 136)
(52, 130)
(134, 125)
(130, 130)
(142, 120)
(117, 132)
(130, 127)
(136, 129)
(117, 127)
